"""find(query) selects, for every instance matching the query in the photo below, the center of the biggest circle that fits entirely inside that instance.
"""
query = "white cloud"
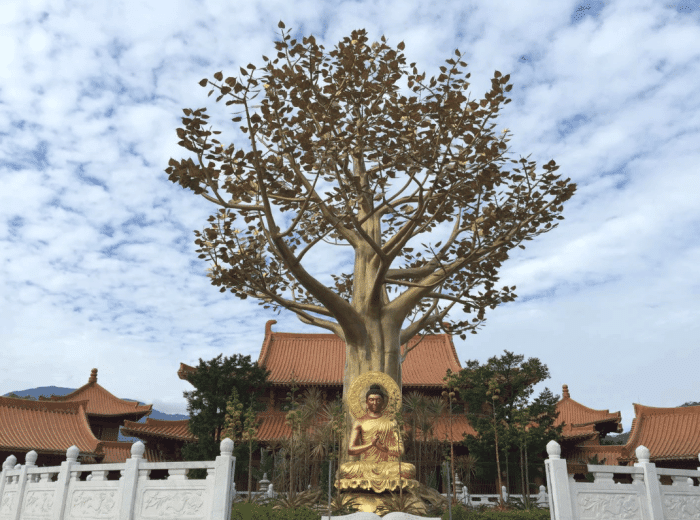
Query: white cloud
(96, 245)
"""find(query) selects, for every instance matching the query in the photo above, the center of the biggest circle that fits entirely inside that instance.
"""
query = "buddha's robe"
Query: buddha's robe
(377, 470)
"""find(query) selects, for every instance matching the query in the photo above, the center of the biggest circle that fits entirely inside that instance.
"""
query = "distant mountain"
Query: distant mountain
(619, 439)
(58, 390)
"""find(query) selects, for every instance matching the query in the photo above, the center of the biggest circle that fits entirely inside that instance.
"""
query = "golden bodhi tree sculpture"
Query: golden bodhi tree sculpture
(338, 156)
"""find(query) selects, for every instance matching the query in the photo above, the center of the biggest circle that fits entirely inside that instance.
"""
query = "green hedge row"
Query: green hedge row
(246, 511)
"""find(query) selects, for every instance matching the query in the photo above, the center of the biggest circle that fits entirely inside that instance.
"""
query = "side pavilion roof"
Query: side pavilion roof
(46, 427)
(120, 451)
(100, 402)
(583, 422)
(177, 430)
(668, 433)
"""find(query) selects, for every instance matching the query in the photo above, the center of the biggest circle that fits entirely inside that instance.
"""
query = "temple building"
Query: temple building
(583, 429)
(89, 417)
(48, 428)
(317, 360)
(105, 412)
(671, 435)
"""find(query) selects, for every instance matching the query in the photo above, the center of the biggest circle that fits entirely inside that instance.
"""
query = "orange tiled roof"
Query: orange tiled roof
(119, 451)
(581, 454)
(165, 429)
(184, 370)
(319, 359)
(578, 433)
(581, 420)
(441, 430)
(668, 433)
(46, 427)
(100, 402)
(273, 426)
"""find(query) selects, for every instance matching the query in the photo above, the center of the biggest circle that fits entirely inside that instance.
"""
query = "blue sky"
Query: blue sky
(97, 253)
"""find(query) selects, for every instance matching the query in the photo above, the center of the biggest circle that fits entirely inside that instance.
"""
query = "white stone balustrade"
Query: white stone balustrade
(28, 492)
(644, 499)
(466, 498)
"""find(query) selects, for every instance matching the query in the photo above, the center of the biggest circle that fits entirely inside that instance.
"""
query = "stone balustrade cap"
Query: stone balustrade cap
(137, 450)
(72, 453)
(643, 454)
(31, 458)
(226, 447)
(554, 450)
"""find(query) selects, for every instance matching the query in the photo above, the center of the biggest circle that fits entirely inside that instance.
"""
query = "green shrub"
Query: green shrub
(301, 513)
(492, 514)
(252, 511)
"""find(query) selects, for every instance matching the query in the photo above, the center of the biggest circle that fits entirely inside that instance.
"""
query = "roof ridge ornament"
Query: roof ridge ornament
(93, 376)
(565, 391)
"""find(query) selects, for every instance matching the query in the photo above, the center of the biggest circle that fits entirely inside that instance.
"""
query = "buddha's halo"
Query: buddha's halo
(357, 400)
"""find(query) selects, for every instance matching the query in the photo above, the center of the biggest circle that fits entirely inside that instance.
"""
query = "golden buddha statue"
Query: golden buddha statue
(376, 440)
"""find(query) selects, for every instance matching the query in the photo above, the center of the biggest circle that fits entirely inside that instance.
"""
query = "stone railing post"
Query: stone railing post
(542, 497)
(558, 484)
(222, 493)
(458, 485)
(61, 493)
(464, 495)
(651, 482)
(30, 462)
(129, 481)
(6, 466)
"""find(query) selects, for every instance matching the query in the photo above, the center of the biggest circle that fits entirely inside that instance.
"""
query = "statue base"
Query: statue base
(424, 498)
(369, 502)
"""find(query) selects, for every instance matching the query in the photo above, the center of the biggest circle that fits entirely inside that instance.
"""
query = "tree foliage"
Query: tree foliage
(338, 156)
(517, 422)
(214, 382)
(27, 397)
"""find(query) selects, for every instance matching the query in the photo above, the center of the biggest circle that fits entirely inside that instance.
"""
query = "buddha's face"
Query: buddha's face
(375, 403)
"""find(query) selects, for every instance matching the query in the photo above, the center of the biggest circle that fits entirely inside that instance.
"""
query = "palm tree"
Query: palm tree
(331, 431)
(435, 407)
(466, 467)
(414, 405)
(310, 410)
(313, 434)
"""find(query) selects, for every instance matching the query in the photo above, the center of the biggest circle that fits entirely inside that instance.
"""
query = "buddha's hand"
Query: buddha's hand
(379, 444)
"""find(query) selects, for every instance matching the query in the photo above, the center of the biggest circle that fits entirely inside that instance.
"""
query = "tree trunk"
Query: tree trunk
(315, 473)
(507, 452)
(527, 473)
(498, 467)
(373, 342)
(420, 452)
(522, 475)
(416, 453)
(306, 466)
(250, 468)
(291, 467)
